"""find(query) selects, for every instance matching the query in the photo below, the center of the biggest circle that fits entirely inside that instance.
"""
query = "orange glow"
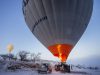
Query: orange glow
(61, 51)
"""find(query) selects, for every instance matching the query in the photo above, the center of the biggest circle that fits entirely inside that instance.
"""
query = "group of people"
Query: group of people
(63, 67)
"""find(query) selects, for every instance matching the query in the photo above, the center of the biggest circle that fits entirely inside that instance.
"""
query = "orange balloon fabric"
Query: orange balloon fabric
(61, 51)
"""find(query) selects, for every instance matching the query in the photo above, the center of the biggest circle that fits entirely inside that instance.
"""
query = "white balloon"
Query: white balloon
(57, 21)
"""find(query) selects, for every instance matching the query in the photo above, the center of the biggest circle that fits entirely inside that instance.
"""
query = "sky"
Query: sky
(13, 30)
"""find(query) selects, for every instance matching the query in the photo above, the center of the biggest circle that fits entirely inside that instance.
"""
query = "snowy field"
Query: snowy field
(33, 72)
(29, 72)
(81, 70)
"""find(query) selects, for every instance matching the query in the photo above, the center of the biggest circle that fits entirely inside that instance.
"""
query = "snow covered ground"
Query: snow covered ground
(29, 71)
(54, 73)
(33, 72)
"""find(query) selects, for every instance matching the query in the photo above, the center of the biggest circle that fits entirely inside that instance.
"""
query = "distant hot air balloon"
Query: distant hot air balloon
(58, 24)
(10, 48)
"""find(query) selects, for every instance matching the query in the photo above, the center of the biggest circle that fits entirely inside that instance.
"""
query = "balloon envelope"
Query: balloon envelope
(10, 47)
(58, 24)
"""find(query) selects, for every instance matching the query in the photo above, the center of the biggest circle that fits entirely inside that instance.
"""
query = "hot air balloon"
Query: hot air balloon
(58, 24)
(10, 48)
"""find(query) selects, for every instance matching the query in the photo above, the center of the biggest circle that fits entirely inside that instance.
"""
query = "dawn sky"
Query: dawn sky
(14, 30)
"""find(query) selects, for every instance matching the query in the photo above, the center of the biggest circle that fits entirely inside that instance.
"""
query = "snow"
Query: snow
(33, 72)
(30, 71)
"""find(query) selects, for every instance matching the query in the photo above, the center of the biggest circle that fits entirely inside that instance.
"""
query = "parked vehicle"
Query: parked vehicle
(44, 68)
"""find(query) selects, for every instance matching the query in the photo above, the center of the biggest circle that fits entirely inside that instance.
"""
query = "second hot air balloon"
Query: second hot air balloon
(58, 24)
(10, 48)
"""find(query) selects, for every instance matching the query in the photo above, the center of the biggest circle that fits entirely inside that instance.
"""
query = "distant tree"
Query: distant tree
(35, 57)
(32, 56)
(23, 55)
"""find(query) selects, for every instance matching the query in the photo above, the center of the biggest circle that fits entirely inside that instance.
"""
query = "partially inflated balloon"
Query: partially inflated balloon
(10, 48)
(58, 24)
